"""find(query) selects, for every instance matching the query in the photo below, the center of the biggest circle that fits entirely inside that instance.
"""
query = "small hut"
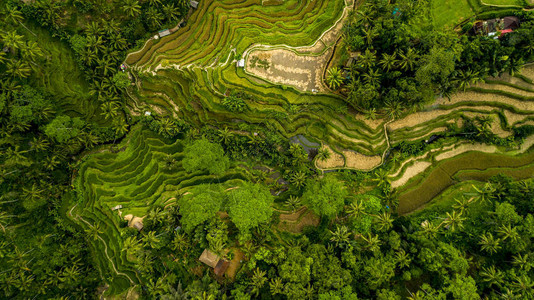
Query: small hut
(211, 259)
(134, 222)
(194, 4)
(241, 63)
(164, 32)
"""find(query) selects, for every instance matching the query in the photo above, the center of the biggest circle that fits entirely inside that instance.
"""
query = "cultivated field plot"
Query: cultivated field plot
(134, 180)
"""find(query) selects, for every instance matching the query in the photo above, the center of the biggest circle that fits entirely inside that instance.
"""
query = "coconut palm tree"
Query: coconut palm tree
(334, 78)
(385, 221)
(12, 40)
(131, 245)
(18, 69)
(492, 276)
(171, 12)
(258, 281)
(453, 221)
(94, 231)
(522, 261)
(131, 8)
(367, 59)
(154, 17)
(180, 242)
(323, 154)
(486, 193)
(408, 59)
(388, 61)
(95, 43)
(276, 286)
(355, 209)
(402, 258)
(13, 15)
(372, 242)
(151, 240)
(109, 109)
(370, 34)
(489, 244)
(225, 135)
(464, 79)
(293, 202)
(340, 236)
(507, 232)
(523, 286)
(298, 179)
(393, 109)
(93, 29)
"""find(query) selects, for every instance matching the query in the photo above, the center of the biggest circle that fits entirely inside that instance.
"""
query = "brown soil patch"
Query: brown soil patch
(235, 263)
(288, 68)
(309, 219)
(335, 160)
(358, 161)
(293, 217)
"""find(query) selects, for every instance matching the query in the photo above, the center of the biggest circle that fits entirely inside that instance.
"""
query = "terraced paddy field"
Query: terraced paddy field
(135, 179)
(472, 165)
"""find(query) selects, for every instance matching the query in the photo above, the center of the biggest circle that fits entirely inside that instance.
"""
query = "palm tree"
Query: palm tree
(382, 178)
(95, 43)
(369, 34)
(370, 114)
(486, 193)
(3, 220)
(109, 110)
(388, 61)
(131, 8)
(402, 258)
(39, 143)
(18, 68)
(467, 78)
(492, 276)
(131, 245)
(154, 17)
(298, 179)
(155, 288)
(177, 293)
(385, 221)
(294, 203)
(367, 59)
(13, 15)
(489, 243)
(323, 154)
(334, 78)
(393, 109)
(522, 261)
(461, 204)
(258, 281)
(171, 12)
(523, 286)
(372, 77)
(118, 42)
(12, 40)
(94, 231)
(276, 286)
(508, 232)
(225, 136)
(373, 242)
(168, 127)
(93, 29)
(355, 209)
(453, 221)
(154, 2)
(340, 236)
(151, 240)
(408, 59)
(157, 215)
(180, 242)
(515, 66)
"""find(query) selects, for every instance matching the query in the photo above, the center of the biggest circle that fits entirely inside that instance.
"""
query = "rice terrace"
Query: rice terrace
(267, 149)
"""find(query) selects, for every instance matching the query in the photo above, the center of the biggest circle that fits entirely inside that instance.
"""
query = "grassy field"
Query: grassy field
(447, 13)
(505, 2)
